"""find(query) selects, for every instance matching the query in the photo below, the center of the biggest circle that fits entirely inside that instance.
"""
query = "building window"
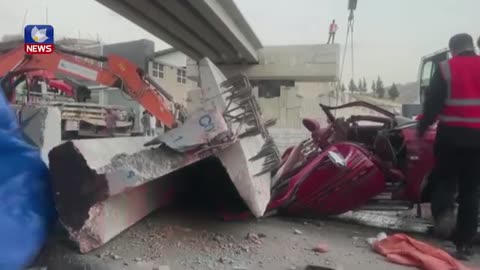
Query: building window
(157, 70)
(269, 89)
(181, 76)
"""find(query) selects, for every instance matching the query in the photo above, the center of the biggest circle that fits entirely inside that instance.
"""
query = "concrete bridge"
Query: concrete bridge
(217, 29)
(200, 28)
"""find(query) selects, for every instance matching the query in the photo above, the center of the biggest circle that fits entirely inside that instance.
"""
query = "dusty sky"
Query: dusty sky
(390, 35)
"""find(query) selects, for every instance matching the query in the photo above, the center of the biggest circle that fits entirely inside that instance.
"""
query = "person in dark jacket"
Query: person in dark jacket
(454, 99)
(111, 118)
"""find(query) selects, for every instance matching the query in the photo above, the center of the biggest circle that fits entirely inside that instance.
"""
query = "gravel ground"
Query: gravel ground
(180, 240)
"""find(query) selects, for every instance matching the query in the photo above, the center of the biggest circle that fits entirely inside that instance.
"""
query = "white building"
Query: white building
(168, 69)
(286, 101)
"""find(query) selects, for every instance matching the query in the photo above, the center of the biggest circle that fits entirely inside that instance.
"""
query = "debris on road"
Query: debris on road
(321, 248)
(298, 232)
(115, 257)
(379, 237)
(318, 223)
(218, 238)
(162, 267)
(225, 260)
(254, 238)
(316, 267)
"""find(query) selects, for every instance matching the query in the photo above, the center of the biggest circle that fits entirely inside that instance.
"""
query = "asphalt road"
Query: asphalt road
(179, 239)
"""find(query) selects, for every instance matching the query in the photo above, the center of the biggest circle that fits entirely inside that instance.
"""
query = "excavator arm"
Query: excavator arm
(116, 72)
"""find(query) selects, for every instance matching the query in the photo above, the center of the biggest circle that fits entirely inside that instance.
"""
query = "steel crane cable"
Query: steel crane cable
(350, 25)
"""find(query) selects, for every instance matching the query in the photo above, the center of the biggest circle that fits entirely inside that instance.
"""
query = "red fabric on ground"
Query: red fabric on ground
(402, 249)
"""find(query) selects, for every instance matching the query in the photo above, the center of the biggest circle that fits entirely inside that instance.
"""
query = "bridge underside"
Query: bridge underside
(199, 28)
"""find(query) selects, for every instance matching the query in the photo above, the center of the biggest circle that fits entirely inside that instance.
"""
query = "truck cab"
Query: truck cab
(428, 65)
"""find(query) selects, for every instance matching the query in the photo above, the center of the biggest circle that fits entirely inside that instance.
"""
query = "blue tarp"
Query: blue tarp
(26, 201)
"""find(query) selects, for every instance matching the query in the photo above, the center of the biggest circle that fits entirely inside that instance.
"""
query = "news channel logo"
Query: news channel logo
(38, 39)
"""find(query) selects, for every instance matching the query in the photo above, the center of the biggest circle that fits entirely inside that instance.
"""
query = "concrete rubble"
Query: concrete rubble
(104, 186)
(188, 239)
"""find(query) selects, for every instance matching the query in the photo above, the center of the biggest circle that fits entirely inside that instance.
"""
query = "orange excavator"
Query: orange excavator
(115, 72)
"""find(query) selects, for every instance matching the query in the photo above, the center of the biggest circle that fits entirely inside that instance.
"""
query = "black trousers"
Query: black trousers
(331, 38)
(457, 172)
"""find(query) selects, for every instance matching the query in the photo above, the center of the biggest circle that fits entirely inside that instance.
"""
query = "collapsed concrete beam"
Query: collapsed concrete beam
(254, 189)
(104, 186)
(244, 161)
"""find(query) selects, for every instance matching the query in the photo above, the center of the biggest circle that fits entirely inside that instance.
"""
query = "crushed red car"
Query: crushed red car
(363, 162)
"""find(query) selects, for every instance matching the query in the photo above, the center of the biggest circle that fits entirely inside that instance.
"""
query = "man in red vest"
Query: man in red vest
(454, 97)
(331, 32)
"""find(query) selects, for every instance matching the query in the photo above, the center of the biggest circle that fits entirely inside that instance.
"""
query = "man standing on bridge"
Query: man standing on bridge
(331, 32)
(454, 97)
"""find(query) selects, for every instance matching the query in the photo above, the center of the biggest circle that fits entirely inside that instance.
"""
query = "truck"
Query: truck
(428, 65)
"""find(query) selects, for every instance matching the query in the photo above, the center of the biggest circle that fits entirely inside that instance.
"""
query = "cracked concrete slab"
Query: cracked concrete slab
(255, 190)
(237, 159)
(104, 186)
